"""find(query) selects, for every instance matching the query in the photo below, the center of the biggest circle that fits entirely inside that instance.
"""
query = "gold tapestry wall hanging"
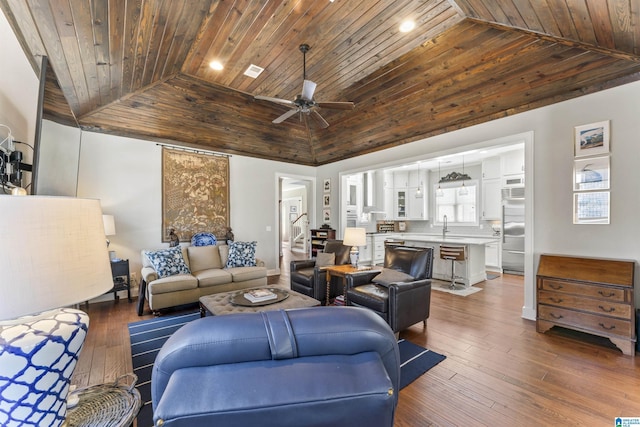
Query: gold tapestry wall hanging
(195, 194)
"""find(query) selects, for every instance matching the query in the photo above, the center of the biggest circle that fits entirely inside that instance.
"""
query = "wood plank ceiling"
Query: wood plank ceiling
(140, 68)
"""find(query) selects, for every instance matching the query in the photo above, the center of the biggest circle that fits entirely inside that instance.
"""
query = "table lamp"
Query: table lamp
(52, 255)
(354, 237)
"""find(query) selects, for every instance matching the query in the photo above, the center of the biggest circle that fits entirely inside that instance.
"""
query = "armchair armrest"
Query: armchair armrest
(148, 274)
(408, 301)
(299, 264)
(354, 280)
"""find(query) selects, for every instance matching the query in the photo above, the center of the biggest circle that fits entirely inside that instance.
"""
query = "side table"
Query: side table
(343, 271)
(121, 278)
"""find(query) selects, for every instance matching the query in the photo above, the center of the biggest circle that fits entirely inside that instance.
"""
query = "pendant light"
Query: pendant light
(419, 190)
(439, 192)
(463, 191)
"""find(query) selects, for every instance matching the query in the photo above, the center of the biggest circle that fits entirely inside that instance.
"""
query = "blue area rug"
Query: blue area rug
(147, 336)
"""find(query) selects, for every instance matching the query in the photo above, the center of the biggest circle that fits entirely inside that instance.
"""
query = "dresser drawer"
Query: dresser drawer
(593, 305)
(601, 325)
(594, 291)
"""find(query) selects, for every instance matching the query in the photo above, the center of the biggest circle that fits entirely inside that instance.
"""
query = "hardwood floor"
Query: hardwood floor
(499, 371)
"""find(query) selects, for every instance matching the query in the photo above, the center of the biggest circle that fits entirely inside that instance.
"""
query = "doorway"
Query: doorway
(295, 216)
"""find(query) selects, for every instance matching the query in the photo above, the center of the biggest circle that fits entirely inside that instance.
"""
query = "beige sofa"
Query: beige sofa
(208, 276)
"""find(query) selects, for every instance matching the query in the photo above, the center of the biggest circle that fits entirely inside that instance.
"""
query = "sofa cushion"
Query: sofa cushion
(325, 259)
(213, 277)
(204, 257)
(168, 262)
(177, 282)
(203, 239)
(224, 253)
(388, 276)
(242, 254)
(242, 274)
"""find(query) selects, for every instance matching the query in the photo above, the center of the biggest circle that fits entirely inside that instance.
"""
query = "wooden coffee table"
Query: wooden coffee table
(219, 304)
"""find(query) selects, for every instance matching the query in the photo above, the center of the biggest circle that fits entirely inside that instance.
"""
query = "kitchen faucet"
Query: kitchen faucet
(444, 227)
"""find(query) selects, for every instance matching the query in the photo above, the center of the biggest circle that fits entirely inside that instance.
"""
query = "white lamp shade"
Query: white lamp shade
(109, 225)
(52, 253)
(355, 236)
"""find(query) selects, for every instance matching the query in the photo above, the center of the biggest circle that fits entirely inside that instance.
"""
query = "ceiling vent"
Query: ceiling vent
(253, 71)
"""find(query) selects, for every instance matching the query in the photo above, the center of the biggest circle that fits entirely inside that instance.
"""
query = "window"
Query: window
(457, 202)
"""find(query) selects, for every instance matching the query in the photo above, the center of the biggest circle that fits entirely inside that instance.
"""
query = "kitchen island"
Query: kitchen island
(472, 271)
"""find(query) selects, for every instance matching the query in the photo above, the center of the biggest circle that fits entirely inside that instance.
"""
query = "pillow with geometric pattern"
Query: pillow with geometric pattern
(168, 262)
(242, 254)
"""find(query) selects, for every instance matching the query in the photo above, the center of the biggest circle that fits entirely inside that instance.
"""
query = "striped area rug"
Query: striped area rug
(147, 336)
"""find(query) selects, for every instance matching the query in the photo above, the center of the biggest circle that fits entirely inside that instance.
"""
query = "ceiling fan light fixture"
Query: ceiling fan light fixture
(216, 65)
(407, 26)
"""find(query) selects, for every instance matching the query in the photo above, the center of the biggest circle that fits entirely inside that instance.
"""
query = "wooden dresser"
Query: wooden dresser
(592, 295)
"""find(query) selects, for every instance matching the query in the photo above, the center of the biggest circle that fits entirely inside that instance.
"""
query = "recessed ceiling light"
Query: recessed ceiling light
(407, 26)
(216, 65)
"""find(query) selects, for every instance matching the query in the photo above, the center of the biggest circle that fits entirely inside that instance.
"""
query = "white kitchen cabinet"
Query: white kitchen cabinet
(415, 177)
(491, 168)
(389, 200)
(401, 179)
(491, 199)
(492, 255)
(388, 180)
(513, 162)
(416, 205)
(366, 251)
(400, 208)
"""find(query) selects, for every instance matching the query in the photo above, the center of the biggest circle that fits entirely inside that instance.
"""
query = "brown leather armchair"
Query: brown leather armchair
(309, 279)
(401, 293)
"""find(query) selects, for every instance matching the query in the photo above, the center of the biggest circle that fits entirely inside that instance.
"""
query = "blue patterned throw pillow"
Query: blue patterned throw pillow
(242, 254)
(168, 262)
(203, 239)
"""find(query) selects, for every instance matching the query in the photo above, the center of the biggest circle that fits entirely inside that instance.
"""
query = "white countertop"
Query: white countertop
(437, 238)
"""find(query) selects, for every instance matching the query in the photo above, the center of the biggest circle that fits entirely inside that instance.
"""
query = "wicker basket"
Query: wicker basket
(112, 405)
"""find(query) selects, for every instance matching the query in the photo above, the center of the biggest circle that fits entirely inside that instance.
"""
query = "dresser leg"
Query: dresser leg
(628, 348)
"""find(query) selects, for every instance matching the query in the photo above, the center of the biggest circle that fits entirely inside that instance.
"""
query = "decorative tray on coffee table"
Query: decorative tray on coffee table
(239, 299)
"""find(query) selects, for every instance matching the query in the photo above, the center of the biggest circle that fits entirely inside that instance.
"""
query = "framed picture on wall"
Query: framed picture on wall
(591, 174)
(592, 139)
(591, 207)
(326, 201)
(327, 185)
(326, 216)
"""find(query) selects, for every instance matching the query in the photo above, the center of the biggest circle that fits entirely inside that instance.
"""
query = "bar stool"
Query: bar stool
(454, 253)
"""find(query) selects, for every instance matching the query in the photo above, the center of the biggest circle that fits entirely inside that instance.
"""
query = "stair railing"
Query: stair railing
(298, 232)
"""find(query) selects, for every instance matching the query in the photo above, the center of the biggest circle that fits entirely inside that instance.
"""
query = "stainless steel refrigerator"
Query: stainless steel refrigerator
(513, 230)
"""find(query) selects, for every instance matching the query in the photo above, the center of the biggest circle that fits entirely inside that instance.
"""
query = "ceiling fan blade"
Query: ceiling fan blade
(285, 116)
(308, 87)
(337, 105)
(276, 100)
(321, 121)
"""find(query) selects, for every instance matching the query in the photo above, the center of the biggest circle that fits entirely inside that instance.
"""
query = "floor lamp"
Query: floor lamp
(52, 255)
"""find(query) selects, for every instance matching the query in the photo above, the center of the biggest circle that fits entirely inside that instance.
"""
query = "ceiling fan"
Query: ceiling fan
(304, 104)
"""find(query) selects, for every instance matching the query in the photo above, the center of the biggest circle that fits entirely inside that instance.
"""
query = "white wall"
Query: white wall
(125, 174)
(18, 90)
(59, 159)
